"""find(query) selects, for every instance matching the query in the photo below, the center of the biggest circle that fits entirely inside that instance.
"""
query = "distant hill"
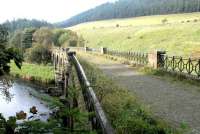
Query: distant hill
(179, 34)
(21, 24)
(133, 8)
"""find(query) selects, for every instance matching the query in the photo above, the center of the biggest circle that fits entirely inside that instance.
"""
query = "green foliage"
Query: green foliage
(63, 38)
(7, 126)
(16, 39)
(69, 38)
(44, 36)
(125, 114)
(21, 24)
(3, 35)
(27, 38)
(38, 54)
(56, 35)
(7, 54)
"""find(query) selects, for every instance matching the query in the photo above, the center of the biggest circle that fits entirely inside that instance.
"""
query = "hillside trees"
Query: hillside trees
(43, 40)
(16, 39)
(44, 36)
(35, 43)
(21, 24)
(133, 8)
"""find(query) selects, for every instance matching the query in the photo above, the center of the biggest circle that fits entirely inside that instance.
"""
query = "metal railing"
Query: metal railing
(182, 65)
(185, 66)
(135, 57)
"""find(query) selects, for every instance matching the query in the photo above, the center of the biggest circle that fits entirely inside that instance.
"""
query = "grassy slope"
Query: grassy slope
(35, 72)
(146, 34)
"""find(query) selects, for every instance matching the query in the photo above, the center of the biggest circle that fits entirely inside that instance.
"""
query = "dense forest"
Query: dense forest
(133, 8)
(21, 24)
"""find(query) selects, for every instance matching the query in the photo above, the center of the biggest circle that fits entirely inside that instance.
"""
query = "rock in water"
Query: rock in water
(21, 115)
(33, 110)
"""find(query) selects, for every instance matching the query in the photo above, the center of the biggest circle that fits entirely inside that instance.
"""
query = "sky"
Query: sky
(49, 10)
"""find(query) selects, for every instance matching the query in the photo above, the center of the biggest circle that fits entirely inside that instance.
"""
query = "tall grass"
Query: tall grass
(33, 72)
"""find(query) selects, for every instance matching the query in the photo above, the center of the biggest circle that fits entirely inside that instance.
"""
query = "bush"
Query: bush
(38, 54)
(164, 21)
(63, 38)
(43, 36)
(195, 20)
(56, 35)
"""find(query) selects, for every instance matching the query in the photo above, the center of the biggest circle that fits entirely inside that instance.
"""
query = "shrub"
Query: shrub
(73, 43)
(164, 21)
(195, 20)
(68, 38)
(38, 54)
(56, 35)
(129, 37)
(43, 36)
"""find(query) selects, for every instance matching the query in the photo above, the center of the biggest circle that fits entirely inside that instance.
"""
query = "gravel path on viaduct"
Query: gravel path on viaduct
(173, 101)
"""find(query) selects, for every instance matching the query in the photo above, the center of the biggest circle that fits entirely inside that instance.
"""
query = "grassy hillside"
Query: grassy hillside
(180, 35)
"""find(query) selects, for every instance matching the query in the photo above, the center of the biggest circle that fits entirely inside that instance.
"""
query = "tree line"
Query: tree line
(21, 24)
(133, 8)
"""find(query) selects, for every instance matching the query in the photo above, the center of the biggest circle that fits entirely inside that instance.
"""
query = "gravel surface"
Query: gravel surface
(174, 101)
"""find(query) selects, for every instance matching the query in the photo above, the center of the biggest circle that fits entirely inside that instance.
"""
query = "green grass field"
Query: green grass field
(180, 35)
(33, 72)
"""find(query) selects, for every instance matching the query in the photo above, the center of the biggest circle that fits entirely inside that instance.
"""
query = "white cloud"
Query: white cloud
(50, 10)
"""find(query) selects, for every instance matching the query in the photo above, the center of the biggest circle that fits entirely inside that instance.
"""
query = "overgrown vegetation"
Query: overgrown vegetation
(125, 114)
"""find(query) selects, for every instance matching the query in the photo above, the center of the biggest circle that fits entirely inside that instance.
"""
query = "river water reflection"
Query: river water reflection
(18, 97)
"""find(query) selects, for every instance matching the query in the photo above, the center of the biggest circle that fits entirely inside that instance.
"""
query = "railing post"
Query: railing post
(86, 49)
(173, 63)
(103, 50)
(156, 59)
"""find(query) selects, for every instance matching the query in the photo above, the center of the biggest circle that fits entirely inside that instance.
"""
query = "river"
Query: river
(18, 97)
